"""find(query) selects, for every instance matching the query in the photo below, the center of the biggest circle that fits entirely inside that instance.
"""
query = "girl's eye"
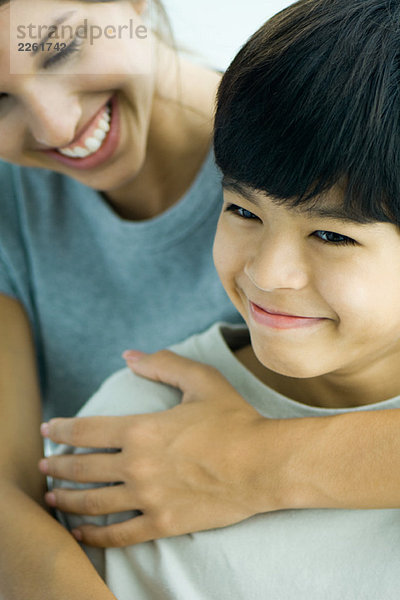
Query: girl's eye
(241, 212)
(334, 239)
(63, 54)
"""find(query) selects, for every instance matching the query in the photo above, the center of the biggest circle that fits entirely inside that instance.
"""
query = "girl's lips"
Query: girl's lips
(105, 151)
(279, 321)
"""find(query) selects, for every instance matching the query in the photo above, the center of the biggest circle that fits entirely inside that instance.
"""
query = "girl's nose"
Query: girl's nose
(277, 264)
(52, 118)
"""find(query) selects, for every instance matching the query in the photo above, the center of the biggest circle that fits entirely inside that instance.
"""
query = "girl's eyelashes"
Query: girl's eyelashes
(63, 54)
(334, 239)
(57, 58)
(241, 212)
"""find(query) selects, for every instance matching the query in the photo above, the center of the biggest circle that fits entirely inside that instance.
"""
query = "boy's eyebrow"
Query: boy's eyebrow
(231, 185)
(325, 212)
(335, 213)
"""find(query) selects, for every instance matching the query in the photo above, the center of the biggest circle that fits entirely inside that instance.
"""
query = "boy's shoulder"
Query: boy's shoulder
(127, 393)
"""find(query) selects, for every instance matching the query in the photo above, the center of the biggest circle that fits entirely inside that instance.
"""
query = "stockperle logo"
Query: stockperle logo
(44, 35)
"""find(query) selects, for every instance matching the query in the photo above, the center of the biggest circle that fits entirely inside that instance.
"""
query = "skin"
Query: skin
(24, 523)
(275, 464)
(275, 257)
(292, 261)
(166, 116)
(165, 105)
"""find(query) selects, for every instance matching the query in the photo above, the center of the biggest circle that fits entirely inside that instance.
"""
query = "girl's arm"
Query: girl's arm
(213, 460)
(39, 560)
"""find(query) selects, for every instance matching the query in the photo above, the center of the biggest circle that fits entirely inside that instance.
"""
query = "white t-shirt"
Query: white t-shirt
(285, 555)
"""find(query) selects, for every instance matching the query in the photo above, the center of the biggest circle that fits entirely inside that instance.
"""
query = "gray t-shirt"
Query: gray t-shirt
(94, 285)
(285, 555)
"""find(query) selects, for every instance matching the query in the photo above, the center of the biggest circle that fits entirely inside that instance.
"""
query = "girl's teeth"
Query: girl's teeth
(69, 153)
(99, 134)
(104, 125)
(93, 143)
(80, 152)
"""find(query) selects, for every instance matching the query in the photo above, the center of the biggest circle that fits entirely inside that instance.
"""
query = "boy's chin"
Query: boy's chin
(296, 367)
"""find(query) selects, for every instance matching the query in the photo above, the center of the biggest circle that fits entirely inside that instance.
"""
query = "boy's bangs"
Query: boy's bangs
(313, 100)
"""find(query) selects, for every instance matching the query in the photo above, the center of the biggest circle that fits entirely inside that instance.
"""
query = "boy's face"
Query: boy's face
(273, 259)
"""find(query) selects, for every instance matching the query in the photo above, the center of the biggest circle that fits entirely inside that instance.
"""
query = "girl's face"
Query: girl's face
(320, 294)
(77, 101)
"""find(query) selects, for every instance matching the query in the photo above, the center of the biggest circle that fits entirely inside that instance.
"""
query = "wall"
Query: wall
(216, 29)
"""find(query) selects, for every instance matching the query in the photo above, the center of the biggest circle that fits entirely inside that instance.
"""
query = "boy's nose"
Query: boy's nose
(52, 119)
(277, 264)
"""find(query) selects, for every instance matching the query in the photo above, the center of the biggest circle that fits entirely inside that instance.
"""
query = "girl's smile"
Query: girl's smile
(94, 145)
(126, 116)
(83, 109)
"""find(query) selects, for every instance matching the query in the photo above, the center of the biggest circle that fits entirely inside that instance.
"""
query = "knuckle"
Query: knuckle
(165, 523)
(133, 431)
(163, 355)
(140, 433)
(76, 431)
(53, 468)
(209, 370)
(118, 537)
(77, 469)
(59, 467)
(139, 470)
(91, 504)
(203, 372)
(60, 498)
(162, 358)
(149, 498)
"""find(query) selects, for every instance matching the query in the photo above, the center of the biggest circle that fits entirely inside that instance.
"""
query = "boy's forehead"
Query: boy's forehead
(329, 205)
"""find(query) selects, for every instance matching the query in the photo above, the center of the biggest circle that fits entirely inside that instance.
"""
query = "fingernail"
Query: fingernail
(44, 466)
(77, 534)
(45, 429)
(50, 499)
(133, 355)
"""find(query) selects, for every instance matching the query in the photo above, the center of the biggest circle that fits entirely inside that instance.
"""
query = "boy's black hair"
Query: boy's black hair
(313, 100)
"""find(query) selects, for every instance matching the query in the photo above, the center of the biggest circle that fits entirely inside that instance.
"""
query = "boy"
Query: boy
(308, 250)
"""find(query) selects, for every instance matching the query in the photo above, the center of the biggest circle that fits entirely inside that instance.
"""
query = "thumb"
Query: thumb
(169, 368)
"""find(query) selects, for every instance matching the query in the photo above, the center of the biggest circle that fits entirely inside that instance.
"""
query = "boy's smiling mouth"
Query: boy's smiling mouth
(280, 320)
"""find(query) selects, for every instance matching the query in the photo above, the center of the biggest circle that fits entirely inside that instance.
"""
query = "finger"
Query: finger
(134, 531)
(98, 501)
(83, 468)
(85, 432)
(170, 368)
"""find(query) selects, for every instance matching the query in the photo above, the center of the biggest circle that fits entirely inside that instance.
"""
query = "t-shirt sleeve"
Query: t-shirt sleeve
(7, 286)
(14, 258)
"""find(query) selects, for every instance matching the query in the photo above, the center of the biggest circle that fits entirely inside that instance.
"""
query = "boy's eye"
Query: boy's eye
(241, 212)
(334, 239)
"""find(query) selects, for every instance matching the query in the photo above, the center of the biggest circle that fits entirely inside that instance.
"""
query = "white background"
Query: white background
(216, 29)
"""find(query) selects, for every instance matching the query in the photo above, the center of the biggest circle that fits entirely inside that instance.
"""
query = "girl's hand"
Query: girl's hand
(200, 465)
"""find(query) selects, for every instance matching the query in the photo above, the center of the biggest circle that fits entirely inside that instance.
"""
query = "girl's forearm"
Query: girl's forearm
(345, 461)
(39, 559)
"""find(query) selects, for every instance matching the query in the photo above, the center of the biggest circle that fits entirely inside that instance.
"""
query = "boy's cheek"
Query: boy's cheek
(229, 253)
(222, 256)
